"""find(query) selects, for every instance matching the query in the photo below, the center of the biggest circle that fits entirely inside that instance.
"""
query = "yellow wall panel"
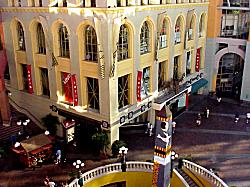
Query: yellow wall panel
(41, 60)
(21, 57)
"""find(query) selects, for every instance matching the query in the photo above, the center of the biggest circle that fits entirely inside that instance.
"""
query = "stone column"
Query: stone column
(4, 104)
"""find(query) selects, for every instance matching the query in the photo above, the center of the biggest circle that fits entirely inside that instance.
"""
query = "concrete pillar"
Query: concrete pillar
(4, 104)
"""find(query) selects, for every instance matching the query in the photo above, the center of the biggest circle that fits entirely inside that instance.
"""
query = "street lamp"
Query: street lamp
(174, 155)
(46, 133)
(123, 151)
(23, 124)
(78, 165)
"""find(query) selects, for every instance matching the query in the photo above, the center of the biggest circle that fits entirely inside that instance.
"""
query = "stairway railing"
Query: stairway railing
(204, 172)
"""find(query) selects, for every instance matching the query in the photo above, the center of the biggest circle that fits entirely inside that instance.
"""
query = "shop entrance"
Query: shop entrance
(229, 76)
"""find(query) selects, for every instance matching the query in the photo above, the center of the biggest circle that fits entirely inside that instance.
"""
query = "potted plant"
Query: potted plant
(101, 140)
(116, 146)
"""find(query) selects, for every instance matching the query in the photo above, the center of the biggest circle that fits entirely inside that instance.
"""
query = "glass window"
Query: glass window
(93, 93)
(65, 3)
(123, 91)
(25, 77)
(191, 29)
(145, 85)
(201, 25)
(40, 3)
(91, 44)
(119, 3)
(63, 41)
(177, 34)
(44, 81)
(67, 90)
(32, 3)
(123, 43)
(20, 37)
(188, 63)
(144, 38)
(161, 75)
(163, 35)
(7, 72)
(19, 3)
(40, 39)
(93, 3)
(176, 68)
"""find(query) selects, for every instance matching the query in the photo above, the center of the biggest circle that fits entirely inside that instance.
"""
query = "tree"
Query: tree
(51, 122)
(101, 140)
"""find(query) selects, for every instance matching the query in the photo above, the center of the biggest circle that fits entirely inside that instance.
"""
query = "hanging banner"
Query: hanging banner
(73, 77)
(29, 79)
(139, 76)
(197, 64)
(162, 152)
(67, 86)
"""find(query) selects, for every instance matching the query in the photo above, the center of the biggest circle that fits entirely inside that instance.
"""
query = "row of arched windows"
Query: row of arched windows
(90, 38)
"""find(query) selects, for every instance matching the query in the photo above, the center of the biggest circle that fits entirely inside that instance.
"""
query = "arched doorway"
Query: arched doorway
(229, 76)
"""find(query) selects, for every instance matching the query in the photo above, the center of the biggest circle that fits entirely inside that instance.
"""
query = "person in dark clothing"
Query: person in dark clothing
(237, 117)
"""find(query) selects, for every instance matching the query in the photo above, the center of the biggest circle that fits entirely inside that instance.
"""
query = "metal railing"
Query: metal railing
(112, 168)
(205, 173)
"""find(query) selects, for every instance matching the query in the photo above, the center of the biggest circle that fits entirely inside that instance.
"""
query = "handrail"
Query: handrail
(35, 119)
(181, 178)
(112, 168)
(204, 172)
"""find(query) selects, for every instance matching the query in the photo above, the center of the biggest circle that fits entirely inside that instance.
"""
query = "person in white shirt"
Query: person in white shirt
(248, 117)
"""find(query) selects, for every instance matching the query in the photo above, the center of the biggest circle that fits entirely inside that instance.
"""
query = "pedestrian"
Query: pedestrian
(237, 117)
(150, 129)
(207, 112)
(198, 121)
(173, 127)
(247, 117)
(58, 156)
(46, 181)
(147, 127)
(218, 100)
(51, 184)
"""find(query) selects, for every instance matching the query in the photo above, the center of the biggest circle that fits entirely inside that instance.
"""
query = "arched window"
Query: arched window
(163, 35)
(177, 34)
(144, 38)
(123, 91)
(20, 37)
(63, 41)
(123, 42)
(191, 29)
(65, 3)
(40, 39)
(90, 44)
(201, 25)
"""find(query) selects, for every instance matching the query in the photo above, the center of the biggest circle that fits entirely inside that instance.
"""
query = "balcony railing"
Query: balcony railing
(205, 173)
(147, 167)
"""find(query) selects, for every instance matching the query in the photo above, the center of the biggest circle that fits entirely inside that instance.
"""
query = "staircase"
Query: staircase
(188, 179)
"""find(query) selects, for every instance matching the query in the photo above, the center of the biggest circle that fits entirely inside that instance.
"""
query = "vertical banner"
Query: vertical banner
(197, 63)
(29, 79)
(67, 87)
(162, 149)
(73, 77)
(139, 76)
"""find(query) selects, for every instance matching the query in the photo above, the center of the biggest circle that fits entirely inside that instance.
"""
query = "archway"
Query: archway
(229, 75)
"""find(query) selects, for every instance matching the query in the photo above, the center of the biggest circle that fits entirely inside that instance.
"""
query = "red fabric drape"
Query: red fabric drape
(67, 87)
(29, 79)
(139, 76)
(197, 64)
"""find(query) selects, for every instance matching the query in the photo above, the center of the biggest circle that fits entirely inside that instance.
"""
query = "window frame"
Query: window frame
(123, 43)
(63, 37)
(93, 93)
(20, 37)
(163, 32)
(145, 38)
(123, 91)
(41, 43)
(45, 91)
(91, 48)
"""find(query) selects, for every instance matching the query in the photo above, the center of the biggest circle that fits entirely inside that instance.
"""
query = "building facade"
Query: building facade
(104, 63)
(227, 51)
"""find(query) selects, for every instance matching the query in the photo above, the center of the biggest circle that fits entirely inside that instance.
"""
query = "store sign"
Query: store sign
(139, 76)
(29, 79)
(197, 64)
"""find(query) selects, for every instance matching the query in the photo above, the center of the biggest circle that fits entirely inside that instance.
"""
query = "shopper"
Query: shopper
(198, 121)
(58, 156)
(237, 117)
(247, 117)
(173, 126)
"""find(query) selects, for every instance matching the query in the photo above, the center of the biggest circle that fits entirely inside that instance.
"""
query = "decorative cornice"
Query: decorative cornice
(103, 10)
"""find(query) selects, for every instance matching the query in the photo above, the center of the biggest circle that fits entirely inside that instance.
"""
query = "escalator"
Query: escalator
(187, 178)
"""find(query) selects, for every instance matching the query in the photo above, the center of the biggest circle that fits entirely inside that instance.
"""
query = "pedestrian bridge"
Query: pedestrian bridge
(139, 174)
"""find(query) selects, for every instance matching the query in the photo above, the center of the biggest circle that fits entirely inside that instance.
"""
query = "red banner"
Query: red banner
(29, 79)
(139, 76)
(73, 78)
(67, 87)
(197, 64)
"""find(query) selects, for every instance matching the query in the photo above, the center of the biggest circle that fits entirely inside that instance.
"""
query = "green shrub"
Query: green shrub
(101, 140)
(116, 146)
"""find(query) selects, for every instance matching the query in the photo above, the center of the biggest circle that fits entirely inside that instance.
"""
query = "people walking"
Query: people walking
(58, 156)
(173, 127)
(237, 117)
(206, 113)
(247, 117)
(218, 100)
(198, 121)
(149, 129)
